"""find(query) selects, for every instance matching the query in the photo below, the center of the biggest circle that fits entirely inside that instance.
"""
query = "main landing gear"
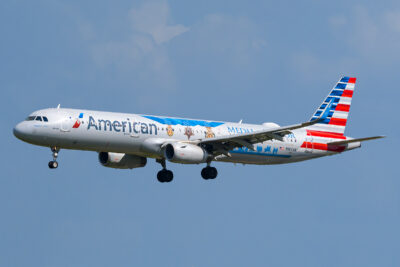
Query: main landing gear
(209, 172)
(54, 164)
(164, 176)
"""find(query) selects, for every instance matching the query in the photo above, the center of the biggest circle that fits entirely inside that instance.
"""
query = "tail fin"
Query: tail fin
(335, 108)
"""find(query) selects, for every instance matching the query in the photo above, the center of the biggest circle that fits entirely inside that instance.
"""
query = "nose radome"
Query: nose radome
(20, 130)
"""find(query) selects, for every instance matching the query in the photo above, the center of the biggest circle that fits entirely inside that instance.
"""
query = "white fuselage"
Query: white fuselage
(142, 135)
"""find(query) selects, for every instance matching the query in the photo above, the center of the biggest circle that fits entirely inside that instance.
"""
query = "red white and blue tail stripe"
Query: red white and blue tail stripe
(334, 111)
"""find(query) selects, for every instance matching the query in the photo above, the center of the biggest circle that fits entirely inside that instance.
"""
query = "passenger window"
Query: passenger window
(45, 119)
(38, 118)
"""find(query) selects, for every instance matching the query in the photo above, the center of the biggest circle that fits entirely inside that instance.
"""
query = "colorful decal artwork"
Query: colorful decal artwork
(184, 122)
(209, 133)
(189, 132)
(170, 131)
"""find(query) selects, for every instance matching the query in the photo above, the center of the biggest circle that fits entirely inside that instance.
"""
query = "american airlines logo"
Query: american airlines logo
(78, 121)
(122, 126)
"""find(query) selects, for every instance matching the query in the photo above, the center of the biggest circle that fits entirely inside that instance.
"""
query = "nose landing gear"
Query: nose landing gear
(54, 164)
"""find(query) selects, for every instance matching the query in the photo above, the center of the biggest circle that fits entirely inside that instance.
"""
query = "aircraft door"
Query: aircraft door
(309, 143)
(66, 124)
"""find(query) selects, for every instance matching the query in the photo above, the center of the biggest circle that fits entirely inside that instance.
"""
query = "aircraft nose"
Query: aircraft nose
(21, 130)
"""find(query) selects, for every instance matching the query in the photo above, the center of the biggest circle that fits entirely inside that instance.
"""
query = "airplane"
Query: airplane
(125, 141)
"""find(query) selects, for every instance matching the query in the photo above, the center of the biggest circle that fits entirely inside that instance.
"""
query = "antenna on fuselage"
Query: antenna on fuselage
(240, 122)
(58, 106)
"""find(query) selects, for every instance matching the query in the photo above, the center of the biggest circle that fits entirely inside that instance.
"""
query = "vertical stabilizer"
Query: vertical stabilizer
(335, 108)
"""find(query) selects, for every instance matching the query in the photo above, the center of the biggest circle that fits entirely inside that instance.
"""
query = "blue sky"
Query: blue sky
(258, 61)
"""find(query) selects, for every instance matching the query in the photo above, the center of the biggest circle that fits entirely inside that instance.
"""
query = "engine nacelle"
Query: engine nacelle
(121, 160)
(185, 153)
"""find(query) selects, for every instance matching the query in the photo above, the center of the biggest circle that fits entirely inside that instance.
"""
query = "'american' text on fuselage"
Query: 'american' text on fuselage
(122, 126)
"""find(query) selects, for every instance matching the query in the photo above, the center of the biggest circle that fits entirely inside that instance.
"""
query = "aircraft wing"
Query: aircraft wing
(344, 142)
(222, 144)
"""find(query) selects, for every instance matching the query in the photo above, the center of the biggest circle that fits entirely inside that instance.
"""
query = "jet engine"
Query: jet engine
(121, 160)
(185, 153)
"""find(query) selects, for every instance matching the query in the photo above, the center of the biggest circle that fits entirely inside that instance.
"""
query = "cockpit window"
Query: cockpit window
(30, 118)
(37, 118)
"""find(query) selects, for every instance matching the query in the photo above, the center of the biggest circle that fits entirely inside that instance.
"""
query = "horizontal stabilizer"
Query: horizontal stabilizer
(344, 142)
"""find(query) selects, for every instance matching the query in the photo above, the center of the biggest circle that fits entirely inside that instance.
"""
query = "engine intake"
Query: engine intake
(121, 160)
(185, 153)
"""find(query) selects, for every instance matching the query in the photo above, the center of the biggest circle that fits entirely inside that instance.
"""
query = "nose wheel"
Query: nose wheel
(209, 173)
(54, 164)
(164, 176)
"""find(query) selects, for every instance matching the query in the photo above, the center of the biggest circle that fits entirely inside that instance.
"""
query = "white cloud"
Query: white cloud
(374, 36)
(311, 67)
(236, 40)
(362, 37)
(306, 65)
(337, 21)
(365, 30)
(152, 18)
(141, 54)
(392, 19)
(86, 30)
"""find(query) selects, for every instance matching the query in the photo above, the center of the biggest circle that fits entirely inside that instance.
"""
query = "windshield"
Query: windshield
(30, 118)
(37, 118)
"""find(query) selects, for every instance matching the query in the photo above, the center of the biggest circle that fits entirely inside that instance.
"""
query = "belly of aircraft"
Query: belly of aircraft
(254, 158)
